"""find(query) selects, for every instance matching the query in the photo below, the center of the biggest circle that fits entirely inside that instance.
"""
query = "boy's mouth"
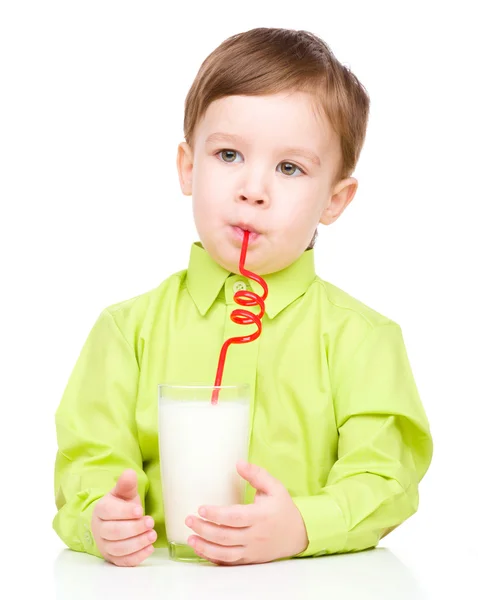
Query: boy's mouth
(238, 232)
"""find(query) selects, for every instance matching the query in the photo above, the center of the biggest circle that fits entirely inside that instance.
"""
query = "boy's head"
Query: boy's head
(274, 126)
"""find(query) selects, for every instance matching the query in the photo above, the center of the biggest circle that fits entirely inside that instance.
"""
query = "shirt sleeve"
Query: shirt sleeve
(96, 432)
(384, 450)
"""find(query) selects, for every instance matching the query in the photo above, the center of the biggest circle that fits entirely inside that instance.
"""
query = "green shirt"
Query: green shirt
(335, 412)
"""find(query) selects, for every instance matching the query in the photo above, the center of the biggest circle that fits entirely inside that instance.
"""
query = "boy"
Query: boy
(274, 126)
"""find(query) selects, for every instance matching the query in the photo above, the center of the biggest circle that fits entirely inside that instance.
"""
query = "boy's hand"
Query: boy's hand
(123, 536)
(269, 529)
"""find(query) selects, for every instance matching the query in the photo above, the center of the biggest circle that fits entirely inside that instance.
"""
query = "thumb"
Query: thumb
(259, 478)
(126, 487)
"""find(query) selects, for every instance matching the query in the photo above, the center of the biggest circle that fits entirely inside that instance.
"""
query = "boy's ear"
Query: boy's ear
(342, 196)
(184, 163)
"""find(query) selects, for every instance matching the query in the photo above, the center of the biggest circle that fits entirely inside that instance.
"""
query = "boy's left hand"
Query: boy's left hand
(267, 530)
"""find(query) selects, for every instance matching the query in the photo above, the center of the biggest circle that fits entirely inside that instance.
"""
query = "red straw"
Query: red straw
(242, 317)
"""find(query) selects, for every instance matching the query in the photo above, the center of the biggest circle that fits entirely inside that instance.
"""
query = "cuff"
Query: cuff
(84, 529)
(324, 523)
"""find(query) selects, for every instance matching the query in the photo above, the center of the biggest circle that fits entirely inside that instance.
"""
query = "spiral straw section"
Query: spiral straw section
(241, 316)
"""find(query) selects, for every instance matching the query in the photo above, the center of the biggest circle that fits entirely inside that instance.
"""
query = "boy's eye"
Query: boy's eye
(291, 169)
(228, 154)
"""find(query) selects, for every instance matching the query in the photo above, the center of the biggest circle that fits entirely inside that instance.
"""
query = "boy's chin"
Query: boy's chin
(230, 261)
(227, 254)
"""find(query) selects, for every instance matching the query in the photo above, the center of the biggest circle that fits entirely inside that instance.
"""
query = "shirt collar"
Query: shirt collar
(205, 279)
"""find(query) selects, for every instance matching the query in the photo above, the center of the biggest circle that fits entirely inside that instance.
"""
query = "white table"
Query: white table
(417, 561)
(374, 574)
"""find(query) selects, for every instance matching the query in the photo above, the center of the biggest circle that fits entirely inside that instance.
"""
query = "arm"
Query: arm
(384, 450)
(96, 432)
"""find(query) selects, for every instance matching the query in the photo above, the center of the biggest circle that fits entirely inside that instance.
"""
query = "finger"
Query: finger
(219, 534)
(122, 530)
(237, 515)
(214, 552)
(111, 508)
(131, 545)
(127, 485)
(259, 478)
(132, 560)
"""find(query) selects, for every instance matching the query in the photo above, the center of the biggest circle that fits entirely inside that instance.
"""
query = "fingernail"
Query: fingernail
(137, 511)
(202, 512)
(152, 535)
(189, 521)
(149, 522)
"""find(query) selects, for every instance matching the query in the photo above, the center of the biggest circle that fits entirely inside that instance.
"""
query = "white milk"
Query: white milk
(200, 444)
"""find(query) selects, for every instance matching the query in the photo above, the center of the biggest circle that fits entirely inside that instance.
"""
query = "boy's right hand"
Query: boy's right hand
(123, 535)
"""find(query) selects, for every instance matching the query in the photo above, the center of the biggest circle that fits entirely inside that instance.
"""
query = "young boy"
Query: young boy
(274, 126)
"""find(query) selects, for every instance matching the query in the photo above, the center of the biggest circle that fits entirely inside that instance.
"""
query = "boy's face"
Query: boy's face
(257, 181)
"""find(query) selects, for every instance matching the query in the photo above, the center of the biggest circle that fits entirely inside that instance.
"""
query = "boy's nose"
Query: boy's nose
(256, 195)
(253, 199)
(252, 187)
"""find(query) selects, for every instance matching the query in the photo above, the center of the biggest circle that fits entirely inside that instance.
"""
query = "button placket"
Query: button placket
(239, 286)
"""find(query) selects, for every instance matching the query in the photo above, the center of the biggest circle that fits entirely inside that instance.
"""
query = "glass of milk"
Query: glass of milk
(199, 446)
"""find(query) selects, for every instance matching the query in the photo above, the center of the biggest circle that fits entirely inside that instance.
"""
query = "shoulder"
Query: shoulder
(349, 326)
(135, 312)
(342, 306)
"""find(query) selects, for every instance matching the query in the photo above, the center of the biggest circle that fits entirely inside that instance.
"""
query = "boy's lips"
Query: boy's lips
(246, 227)
(239, 229)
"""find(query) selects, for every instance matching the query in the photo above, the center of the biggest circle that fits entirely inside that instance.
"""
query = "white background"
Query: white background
(91, 108)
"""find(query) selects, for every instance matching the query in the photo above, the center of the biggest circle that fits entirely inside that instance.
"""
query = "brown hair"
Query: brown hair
(265, 61)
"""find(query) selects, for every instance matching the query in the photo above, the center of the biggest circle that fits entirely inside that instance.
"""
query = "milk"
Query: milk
(200, 443)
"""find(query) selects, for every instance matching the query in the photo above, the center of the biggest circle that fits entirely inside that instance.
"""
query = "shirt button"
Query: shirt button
(239, 286)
